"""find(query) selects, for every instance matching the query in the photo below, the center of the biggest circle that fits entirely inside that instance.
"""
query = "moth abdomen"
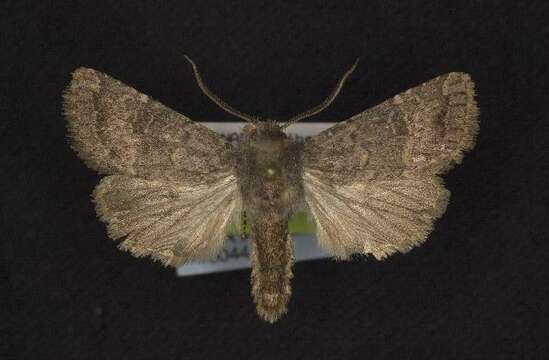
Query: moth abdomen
(272, 260)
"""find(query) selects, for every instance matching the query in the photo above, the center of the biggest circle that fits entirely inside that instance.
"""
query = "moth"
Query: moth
(172, 186)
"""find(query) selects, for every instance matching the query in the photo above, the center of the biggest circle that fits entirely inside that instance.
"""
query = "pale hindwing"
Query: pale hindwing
(170, 222)
(371, 182)
(378, 218)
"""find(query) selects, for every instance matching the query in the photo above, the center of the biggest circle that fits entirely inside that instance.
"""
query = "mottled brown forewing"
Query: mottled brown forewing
(117, 130)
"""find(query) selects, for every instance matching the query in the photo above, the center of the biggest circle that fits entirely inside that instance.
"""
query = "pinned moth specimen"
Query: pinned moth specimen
(172, 186)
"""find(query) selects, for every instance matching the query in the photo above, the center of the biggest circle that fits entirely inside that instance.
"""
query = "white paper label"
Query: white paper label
(235, 255)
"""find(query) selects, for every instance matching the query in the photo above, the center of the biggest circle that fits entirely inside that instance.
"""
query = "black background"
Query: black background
(476, 289)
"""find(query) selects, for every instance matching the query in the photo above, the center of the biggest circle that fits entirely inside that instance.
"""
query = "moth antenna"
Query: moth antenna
(326, 102)
(216, 99)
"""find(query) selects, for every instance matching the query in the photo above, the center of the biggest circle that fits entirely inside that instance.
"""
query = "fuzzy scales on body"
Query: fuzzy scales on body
(269, 175)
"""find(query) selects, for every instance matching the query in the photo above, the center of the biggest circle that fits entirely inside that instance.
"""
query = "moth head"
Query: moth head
(257, 127)
(264, 129)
